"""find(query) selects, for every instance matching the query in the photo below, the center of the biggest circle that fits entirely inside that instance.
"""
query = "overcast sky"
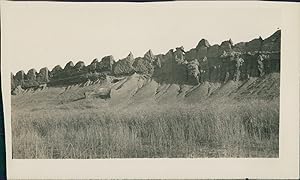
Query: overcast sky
(37, 35)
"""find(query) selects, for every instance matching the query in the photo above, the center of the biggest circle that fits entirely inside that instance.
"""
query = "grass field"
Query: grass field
(83, 129)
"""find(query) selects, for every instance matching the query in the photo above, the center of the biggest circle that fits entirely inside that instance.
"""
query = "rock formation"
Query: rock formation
(124, 66)
(93, 66)
(255, 45)
(31, 75)
(202, 43)
(149, 56)
(69, 65)
(216, 63)
(143, 66)
(146, 65)
(79, 66)
(56, 70)
(12, 80)
(106, 64)
(193, 72)
(43, 75)
(17, 90)
(272, 43)
(20, 75)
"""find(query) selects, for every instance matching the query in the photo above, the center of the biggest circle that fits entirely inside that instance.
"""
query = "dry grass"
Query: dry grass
(83, 129)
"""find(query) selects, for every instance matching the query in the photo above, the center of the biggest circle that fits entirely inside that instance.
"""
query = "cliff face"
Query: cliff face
(204, 63)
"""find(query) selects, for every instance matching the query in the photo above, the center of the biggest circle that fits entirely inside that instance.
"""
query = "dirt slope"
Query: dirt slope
(137, 89)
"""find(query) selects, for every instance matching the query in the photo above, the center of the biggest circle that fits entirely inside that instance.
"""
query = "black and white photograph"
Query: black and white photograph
(208, 100)
(132, 81)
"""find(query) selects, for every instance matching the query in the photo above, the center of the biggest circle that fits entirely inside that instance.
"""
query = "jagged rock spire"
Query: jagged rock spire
(226, 45)
(31, 75)
(106, 64)
(124, 66)
(69, 65)
(149, 55)
(108, 58)
(94, 61)
(130, 56)
(32, 71)
(43, 75)
(79, 65)
(57, 68)
(93, 66)
(44, 69)
(20, 75)
(203, 43)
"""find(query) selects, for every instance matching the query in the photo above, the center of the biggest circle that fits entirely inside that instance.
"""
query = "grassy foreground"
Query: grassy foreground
(84, 130)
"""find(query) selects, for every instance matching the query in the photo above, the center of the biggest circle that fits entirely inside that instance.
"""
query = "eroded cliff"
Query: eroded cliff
(204, 63)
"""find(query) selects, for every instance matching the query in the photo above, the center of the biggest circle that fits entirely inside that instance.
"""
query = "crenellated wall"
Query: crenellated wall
(205, 62)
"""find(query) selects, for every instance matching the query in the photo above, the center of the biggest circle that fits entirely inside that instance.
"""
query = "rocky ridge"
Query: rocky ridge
(204, 63)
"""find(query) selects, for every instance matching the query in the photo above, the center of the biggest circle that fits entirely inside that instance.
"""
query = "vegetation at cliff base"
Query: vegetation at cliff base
(88, 130)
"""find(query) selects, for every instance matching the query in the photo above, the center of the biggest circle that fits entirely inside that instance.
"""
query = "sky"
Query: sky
(37, 35)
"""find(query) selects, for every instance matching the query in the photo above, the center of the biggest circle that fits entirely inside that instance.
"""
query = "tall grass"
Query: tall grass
(220, 129)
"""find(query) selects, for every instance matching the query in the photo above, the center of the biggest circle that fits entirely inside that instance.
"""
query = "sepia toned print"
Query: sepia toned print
(177, 114)
(208, 101)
